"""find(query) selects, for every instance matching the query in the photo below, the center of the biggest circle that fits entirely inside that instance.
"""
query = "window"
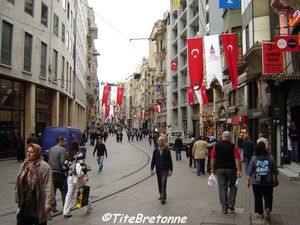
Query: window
(247, 38)
(64, 4)
(67, 76)
(6, 43)
(27, 52)
(44, 15)
(54, 63)
(55, 24)
(29, 4)
(63, 31)
(70, 79)
(62, 71)
(71, 20)
(68, 11)
(67, 40)
(43, 60)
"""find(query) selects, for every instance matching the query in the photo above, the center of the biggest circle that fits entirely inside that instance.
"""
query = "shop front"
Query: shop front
(11, 116)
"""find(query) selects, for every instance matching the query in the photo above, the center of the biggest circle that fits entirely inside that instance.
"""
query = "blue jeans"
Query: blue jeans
(178, 155)
(295, 150)
(100, 159)
(200, 165)
(227, 178)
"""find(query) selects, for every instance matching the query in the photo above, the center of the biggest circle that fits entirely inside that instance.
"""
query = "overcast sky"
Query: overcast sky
(127, 19)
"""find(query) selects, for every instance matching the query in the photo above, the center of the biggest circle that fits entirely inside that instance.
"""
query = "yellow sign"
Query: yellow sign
(176, 4)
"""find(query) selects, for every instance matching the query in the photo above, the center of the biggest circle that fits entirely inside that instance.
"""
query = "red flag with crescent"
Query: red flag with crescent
(107, 109)
(106, 91)
(204, 95)
(190, 92)
(174, 65)
(120, 95)
(195, 61)
(230, 50)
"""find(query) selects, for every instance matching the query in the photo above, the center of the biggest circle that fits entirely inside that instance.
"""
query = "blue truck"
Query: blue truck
(51, 133)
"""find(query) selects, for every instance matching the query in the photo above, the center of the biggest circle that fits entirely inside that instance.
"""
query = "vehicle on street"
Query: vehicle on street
(51, 133)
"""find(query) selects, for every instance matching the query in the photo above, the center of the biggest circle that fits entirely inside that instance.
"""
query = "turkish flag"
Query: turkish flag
(120, 95)
(173, 65)
(190, 91)
(157, 108)
(107, 108)
(106, 91)
(230, 50)
(204, 95)
(195, 61)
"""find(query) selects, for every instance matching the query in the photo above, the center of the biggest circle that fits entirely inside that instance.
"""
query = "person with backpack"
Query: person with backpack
(263, 175)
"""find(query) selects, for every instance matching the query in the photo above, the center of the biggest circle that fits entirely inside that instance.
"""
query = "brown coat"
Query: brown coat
(44, 190)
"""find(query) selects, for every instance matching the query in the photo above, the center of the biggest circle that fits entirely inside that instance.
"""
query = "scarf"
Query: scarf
(29, 169)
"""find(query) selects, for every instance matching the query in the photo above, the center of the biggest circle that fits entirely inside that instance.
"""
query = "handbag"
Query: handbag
(212, 181)
(83, 195)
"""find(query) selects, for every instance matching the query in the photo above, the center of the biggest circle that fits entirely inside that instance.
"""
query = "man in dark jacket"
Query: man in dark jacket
(100, 148)
(162, 161)
(178, 145)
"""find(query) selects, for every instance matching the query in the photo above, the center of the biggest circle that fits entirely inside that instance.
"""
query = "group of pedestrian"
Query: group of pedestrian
(260, 166)
(138, 134)
(37, 181)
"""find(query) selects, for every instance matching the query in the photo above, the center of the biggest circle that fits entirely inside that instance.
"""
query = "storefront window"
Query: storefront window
(11, 116)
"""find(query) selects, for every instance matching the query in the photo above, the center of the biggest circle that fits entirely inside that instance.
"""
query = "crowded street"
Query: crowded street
(125, 187)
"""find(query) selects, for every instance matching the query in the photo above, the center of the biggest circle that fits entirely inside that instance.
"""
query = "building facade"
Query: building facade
(40, 85)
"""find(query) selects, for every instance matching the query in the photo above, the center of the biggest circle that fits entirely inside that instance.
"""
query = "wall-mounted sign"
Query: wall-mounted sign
(272, 59)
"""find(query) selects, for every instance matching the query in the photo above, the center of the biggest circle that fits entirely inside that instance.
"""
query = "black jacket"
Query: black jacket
(162, 162)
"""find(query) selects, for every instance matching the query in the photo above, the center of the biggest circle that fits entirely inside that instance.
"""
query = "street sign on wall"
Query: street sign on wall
(272, 59)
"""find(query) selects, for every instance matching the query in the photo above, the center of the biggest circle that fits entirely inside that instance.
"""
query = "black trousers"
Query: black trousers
(262, 192)
(162, 177)
(59, 181)
(29, 221)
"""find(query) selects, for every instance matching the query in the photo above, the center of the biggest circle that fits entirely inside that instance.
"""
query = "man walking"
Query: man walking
(178, 145)
(162, 161)
(57, 157)
(101, 149)
(225, 162)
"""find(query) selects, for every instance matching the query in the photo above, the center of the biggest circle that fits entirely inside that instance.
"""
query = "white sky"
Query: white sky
(132, 19)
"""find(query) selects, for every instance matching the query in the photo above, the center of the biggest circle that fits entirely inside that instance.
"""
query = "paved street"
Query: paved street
(124, 187)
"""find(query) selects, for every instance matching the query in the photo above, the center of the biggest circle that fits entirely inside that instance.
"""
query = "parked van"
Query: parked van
(50, 135)
(172, 135)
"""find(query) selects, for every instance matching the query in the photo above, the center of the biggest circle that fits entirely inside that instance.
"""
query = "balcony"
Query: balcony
(253, 59)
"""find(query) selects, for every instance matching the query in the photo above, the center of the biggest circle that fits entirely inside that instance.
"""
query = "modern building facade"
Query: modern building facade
(194, 18)
(40, 82)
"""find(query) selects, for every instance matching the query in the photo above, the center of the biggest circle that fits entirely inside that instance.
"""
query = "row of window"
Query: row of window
(6, 55)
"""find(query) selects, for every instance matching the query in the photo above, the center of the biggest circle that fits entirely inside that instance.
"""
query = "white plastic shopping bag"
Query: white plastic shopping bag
(212, 181)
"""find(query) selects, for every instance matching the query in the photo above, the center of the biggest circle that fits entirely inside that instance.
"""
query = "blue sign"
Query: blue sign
(230, 4)
(158, 88)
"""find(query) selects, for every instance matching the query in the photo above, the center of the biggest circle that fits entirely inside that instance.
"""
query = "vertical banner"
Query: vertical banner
(101, 88)
(197, 90)
(106, 91)
(204, 95)
(120, 95)
(272, 59)
(113, 95)
(111, 111)
(230, 50)
(230, 4)
(195, 61)
(176, 4)
(107, 107)
(213, 59)
(190, 92)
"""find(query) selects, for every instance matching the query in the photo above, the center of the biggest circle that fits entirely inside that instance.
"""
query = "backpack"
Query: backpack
(263, 172)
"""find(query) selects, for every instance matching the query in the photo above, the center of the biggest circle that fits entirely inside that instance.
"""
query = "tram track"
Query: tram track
(136, 146)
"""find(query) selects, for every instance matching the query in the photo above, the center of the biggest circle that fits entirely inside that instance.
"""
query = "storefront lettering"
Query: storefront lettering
(41, 106)
(256, 114)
